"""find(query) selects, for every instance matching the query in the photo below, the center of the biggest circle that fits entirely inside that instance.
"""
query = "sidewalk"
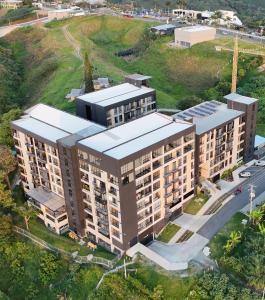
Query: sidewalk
(226, 187)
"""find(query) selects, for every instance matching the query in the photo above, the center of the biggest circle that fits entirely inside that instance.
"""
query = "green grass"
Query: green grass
(261, 129)
(218, 241)
(63, 242)
(176, 73)
(168, 232)
(175, 288)
(194, 205)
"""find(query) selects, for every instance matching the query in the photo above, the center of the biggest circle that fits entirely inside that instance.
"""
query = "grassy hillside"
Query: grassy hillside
(52, 69)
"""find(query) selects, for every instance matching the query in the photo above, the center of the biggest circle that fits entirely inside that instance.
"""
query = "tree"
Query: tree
(6, 199)
(26, 212)
(261, 229)
(234, 239)
(5, 129)
(188, 102)
(89, 86)
(256, 216)
(158, 293)
(48, 268)
(7, 163)
(5, 229)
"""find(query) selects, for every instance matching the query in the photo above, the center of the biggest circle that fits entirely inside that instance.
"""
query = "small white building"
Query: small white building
(60, 14)
(11, 4)
(188, 36)
(51, 209)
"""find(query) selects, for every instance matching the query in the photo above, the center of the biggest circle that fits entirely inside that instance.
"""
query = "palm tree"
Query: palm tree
(256, 216)
(234, 239)
(261, 229)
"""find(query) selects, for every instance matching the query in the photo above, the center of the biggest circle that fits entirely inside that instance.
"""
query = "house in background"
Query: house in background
(11, 4)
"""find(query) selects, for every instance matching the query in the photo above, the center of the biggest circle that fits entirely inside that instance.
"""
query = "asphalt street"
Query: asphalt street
(224, 214)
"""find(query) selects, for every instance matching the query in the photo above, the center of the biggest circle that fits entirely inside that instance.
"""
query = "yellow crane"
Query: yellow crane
(235, 64)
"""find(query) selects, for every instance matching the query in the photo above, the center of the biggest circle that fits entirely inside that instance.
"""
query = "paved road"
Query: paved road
(219, 219)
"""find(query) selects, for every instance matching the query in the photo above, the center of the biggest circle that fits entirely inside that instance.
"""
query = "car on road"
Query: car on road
(260, 163)
(245, 174)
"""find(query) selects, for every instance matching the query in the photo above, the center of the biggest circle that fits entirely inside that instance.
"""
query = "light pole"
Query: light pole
(251, 198)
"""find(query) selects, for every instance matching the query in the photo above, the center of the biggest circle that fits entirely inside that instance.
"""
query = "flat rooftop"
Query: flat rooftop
(115, 94)
(208, 115)
(48, 199)
(240, 99)
(138, 77)
(53, 124)
(192, 29)
(164, 27)
(124, 140)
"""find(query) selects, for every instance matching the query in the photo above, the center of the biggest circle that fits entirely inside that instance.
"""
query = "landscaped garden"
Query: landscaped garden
(239, 249)
(195, 204)
(168, 232)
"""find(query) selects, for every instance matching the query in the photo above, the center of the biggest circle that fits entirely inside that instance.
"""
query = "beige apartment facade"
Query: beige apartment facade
(186, 37)
(130, 198)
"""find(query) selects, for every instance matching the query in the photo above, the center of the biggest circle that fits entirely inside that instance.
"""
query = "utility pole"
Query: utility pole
(251, 197)
(235, 65)
(263, 294)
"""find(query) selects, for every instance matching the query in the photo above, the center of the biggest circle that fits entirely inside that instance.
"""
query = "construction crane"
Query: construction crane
(235, 63)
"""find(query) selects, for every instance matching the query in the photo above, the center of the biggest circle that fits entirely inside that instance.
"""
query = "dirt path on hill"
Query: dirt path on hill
(74, 43)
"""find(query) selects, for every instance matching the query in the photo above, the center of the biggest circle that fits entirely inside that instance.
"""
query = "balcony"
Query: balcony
(142, 173)
(102, 209)
(103, 232)
(156, 165)
(99, 189)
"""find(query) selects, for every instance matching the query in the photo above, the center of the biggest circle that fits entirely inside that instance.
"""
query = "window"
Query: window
(127, 179)
(62, 218)
(127, 167)
(93, 159)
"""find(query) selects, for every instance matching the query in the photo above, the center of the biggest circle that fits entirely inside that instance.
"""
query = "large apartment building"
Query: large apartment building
(42, 163)
(118, 104)
(121, 185)
(224, 134)
(135, 177)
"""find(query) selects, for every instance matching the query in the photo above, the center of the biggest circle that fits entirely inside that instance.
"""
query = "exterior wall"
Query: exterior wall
(250, 128)
(72, 186)
(56, 222)
(131, 200)
(118, 113)
(185, 38)
(39, 166)
(58, 15)
(220, 149)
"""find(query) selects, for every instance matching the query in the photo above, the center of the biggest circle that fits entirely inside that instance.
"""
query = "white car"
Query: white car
(260, 163)
(245, 174)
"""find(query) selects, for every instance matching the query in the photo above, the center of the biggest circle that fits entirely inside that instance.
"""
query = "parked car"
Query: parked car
(238, 190)
(260, 163)
(245, 174)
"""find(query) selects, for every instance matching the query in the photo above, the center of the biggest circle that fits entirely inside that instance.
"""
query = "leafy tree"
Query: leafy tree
(7, 163)
(89, 86)
(6, 199)
(26, 212)
(256, 216)
(5, 228)
(158, 293)
(5, 129)
(48, 268)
